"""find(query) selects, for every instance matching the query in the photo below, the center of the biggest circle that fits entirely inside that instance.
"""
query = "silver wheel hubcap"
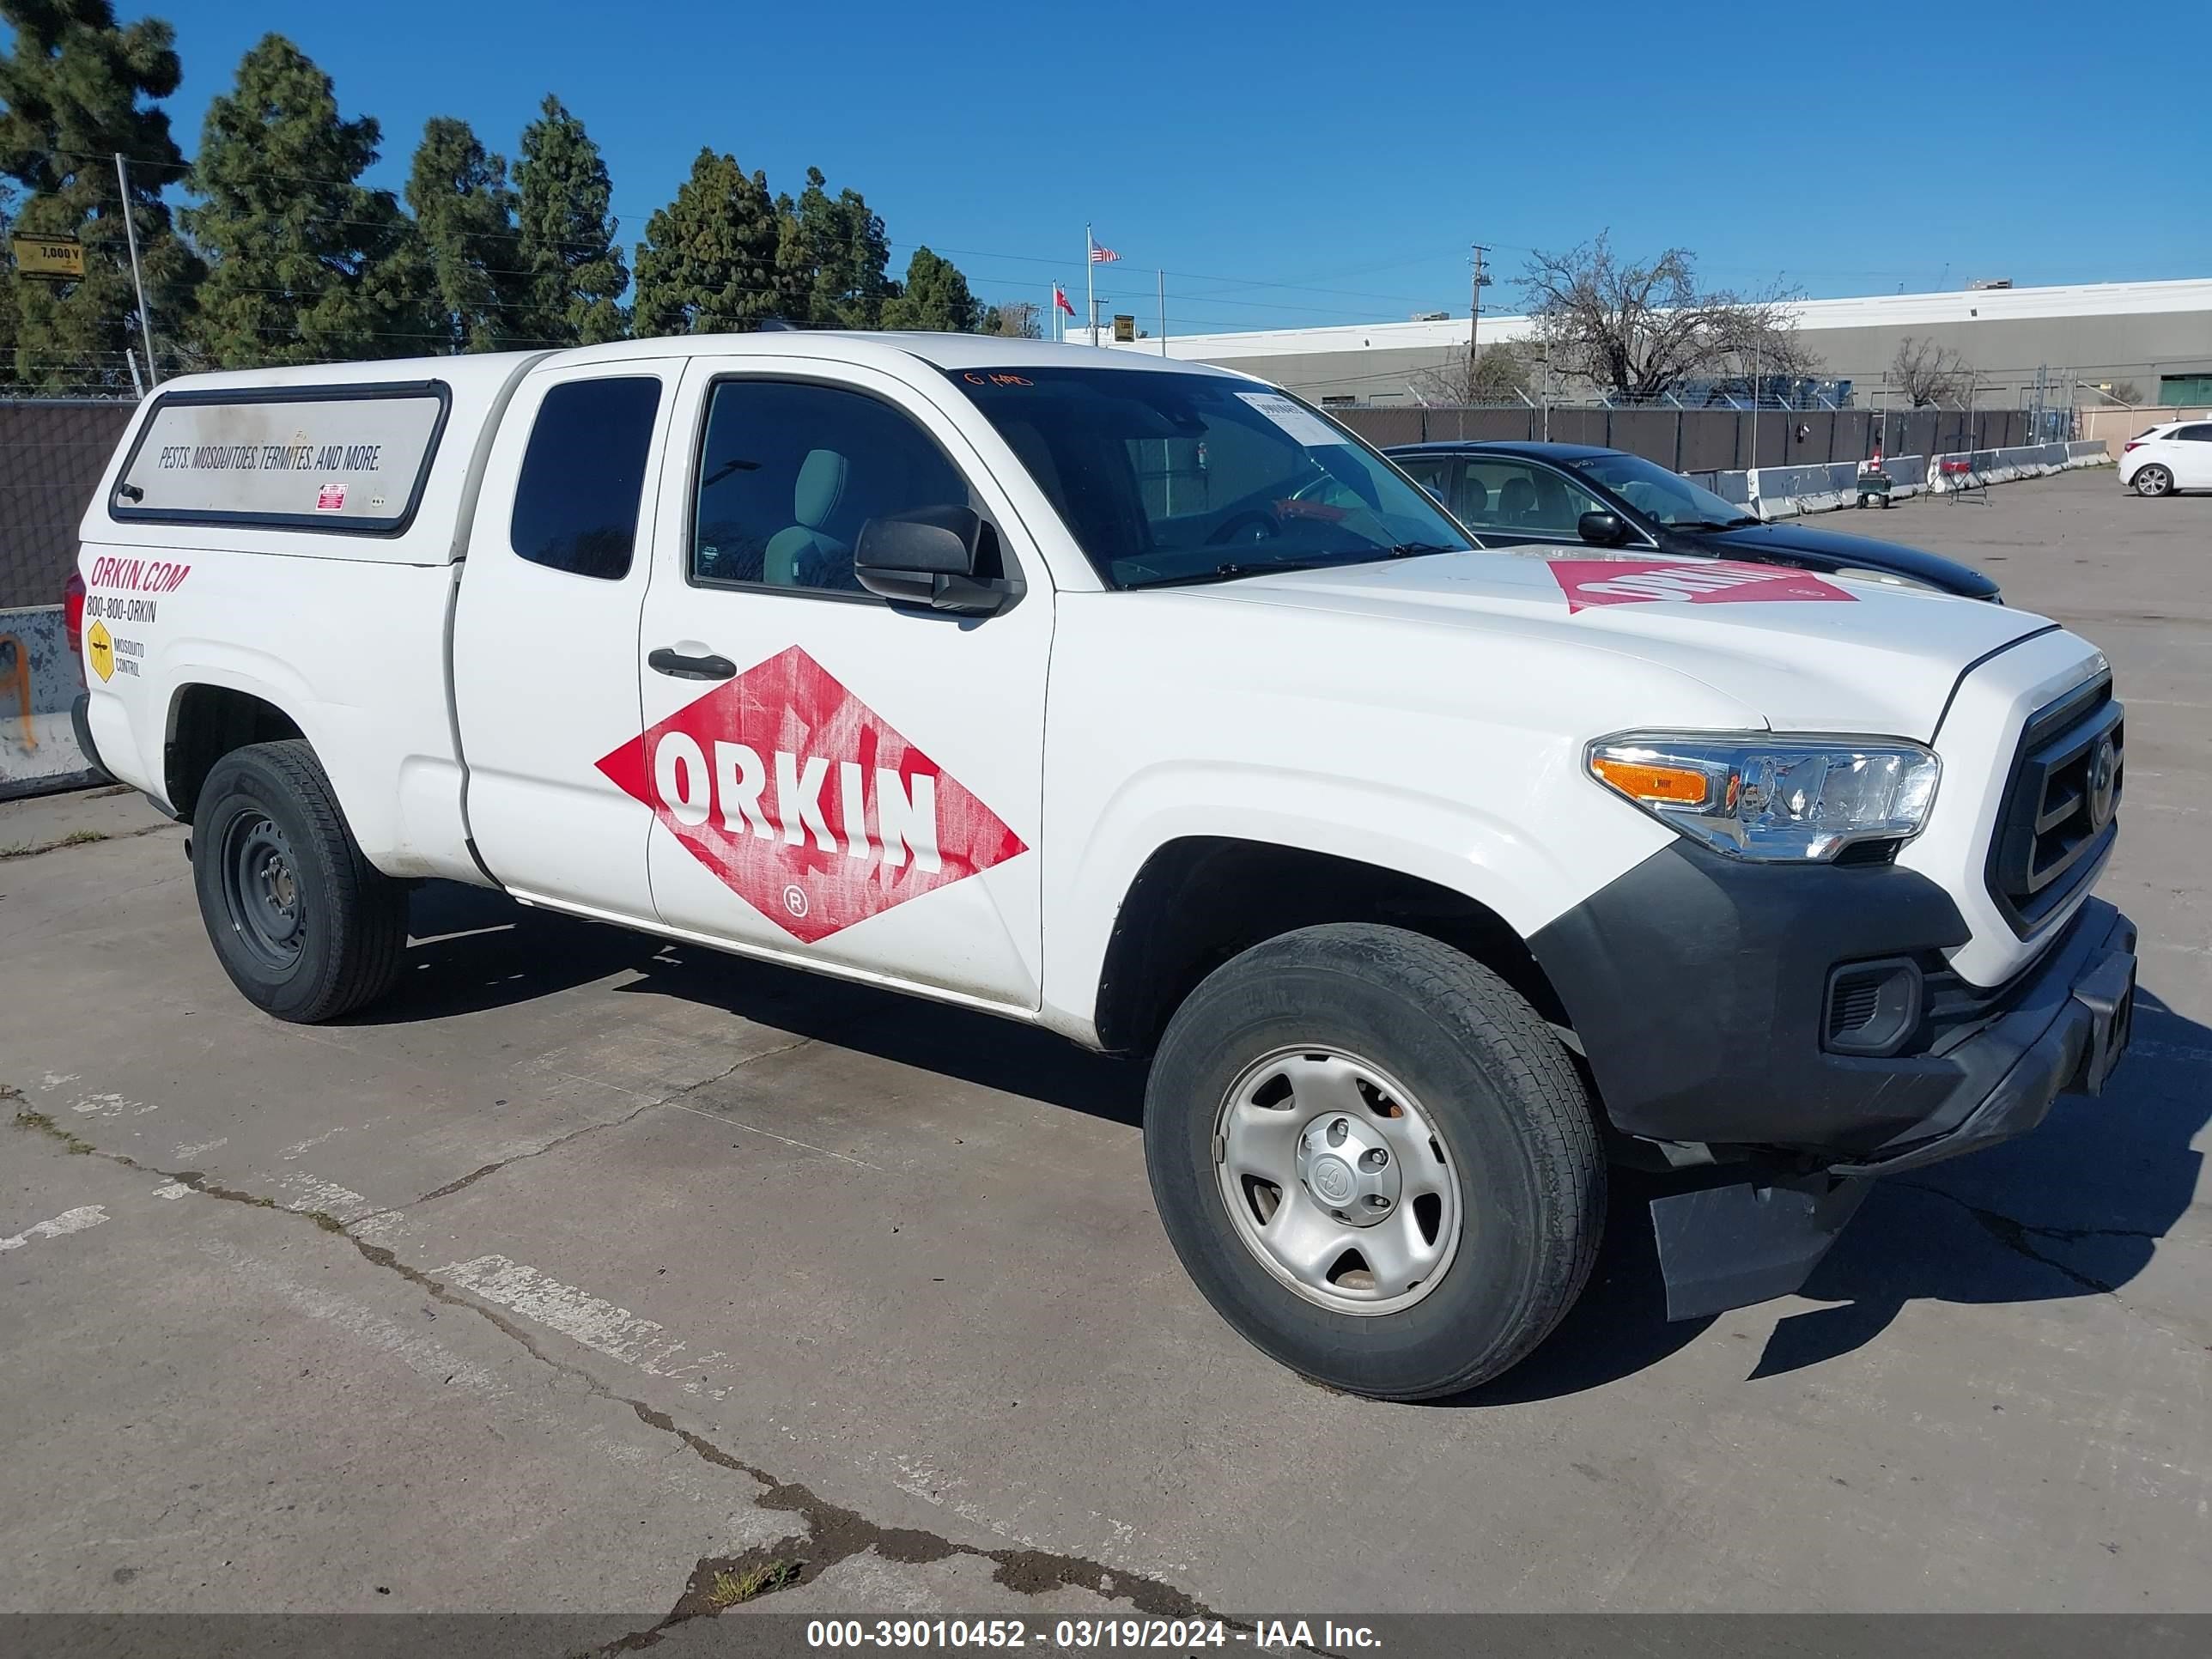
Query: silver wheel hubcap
(1337, 1180)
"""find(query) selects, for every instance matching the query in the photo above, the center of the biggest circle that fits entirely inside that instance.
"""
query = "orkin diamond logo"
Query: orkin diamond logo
(1718, 582)
(812, 806)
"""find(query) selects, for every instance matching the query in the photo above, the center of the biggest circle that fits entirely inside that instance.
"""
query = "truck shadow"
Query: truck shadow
(471, 951)
(2077, 1208)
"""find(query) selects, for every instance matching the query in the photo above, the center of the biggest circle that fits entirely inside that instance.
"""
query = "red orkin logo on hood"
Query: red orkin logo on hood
(808, 804)
(1679, 581)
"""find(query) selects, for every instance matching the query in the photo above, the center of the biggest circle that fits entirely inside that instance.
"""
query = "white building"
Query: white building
(2153, 337)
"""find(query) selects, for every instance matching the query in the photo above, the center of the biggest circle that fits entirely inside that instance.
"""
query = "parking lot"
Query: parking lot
(588, 1267)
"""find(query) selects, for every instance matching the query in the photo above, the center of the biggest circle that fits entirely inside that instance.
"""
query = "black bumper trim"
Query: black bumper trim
(1698, 985)
(81, 726)
(2068, 1031)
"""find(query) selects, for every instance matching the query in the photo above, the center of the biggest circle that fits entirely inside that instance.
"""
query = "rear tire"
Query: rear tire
(1375, 1041)
(2152, 479)
(305, 926)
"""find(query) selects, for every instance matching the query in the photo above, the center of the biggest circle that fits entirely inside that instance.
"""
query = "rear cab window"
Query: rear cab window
(582, 484)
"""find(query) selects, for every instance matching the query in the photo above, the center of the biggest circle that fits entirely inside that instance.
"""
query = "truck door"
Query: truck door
(544, 648)
(836, 779)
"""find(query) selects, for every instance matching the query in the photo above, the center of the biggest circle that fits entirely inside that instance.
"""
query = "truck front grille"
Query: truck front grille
(2059, 815)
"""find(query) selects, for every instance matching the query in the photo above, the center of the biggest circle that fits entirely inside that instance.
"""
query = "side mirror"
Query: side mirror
(946, 558)
(1602, 529)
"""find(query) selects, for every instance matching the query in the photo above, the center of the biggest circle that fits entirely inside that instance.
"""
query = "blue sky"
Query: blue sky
(1299, 163)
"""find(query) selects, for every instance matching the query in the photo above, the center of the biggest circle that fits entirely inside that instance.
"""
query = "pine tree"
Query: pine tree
(71, 87)
(831, 257)
(576, 274)
(465, 214)
(707, 264)
(935, 296)
(309, 265)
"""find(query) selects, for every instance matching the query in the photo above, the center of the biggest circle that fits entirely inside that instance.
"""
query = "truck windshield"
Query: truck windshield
(1669, 497)
(1165, 477)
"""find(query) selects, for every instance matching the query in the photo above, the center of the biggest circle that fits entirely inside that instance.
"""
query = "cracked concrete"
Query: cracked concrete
(558, 1141)
(831, 1534)
(590, 1267)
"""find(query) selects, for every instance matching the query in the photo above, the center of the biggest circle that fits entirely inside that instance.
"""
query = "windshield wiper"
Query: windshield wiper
(1225, 572)
(1326, 562)
(1715, 523)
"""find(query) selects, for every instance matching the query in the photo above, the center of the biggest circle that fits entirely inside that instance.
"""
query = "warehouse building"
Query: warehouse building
(2143, 341)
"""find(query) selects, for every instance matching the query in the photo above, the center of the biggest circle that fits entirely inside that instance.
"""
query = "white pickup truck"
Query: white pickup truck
(1141, 702)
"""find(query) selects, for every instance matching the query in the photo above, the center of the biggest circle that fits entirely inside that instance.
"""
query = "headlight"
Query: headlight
(1772, 799)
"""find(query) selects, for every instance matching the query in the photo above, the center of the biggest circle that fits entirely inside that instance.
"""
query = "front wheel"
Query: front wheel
(2153, 479)
(1375, 1160)
(305, 926)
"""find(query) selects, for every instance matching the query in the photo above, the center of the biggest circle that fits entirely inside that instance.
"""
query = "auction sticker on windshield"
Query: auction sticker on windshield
(1665, 581)
(1306, 426)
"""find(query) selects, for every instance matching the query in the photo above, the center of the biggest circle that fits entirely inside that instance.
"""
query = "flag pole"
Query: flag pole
(1089, 299)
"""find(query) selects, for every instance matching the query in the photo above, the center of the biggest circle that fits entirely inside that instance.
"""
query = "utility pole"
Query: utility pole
(1474, 315)
(137, 279)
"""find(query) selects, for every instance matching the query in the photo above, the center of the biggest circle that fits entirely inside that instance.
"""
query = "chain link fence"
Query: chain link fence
(1704, 440)
(53, 451)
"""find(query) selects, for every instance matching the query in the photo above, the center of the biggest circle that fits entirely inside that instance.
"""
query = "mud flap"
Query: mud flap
(1728, 1246)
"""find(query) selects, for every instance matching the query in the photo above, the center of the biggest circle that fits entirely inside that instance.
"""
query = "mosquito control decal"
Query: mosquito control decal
(1645, 581)
(805, 801)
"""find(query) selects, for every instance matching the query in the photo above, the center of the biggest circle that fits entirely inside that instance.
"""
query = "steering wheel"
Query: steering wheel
(1264, 525)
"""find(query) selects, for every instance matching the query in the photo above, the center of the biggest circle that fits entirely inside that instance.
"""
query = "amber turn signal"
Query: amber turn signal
(1675, 786)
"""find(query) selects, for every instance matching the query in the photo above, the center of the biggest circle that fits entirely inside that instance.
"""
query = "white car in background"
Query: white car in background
(2175, 456)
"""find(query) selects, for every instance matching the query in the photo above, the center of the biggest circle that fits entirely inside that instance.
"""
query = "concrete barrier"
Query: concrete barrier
(1984, 467)
(1785, 492)
(39, 678)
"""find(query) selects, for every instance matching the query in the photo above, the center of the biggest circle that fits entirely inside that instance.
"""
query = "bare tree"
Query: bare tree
(1502, 374)
(1017, 320)
(1640, 329)
(1928, 374)
(2126, 391)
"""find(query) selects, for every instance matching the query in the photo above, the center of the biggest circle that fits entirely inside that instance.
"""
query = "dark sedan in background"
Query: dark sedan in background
(1536, 492)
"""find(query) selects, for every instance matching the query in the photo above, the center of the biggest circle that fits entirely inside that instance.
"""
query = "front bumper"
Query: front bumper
(1699, 988)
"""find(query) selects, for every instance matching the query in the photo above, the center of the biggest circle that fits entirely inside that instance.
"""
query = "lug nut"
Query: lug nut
(1373, 1160)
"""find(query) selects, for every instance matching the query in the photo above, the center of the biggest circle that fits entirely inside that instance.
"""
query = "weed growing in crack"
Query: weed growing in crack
(728, 1588)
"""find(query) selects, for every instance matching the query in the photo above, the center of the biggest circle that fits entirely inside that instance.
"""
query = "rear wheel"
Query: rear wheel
(1375, 1160)
(305, 926)
(2152, 479)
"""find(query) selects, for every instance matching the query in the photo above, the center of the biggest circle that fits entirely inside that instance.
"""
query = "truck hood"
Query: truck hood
(1810, 653)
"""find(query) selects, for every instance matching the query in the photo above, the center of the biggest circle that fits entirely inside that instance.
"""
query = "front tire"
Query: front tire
(1375, 1160)
(305, 926)
(2152, 479)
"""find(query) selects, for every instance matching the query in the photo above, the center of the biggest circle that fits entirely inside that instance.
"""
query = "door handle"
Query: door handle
(677, 665)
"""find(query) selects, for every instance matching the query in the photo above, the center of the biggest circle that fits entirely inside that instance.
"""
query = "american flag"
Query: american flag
(1103, 255)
